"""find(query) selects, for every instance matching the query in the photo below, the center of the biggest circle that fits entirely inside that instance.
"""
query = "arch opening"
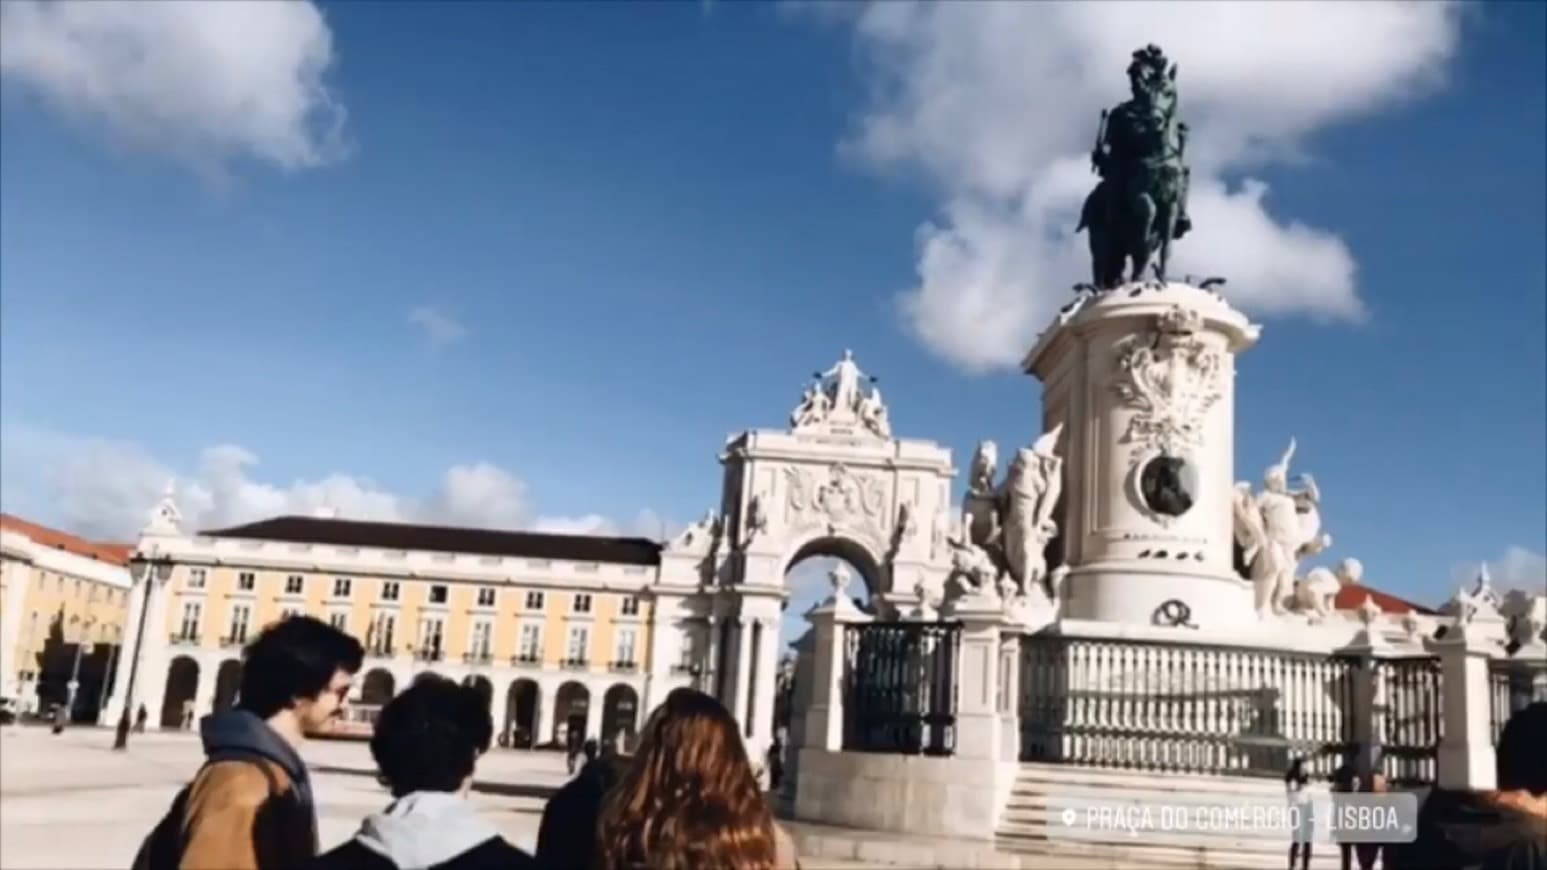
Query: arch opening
(620, 710)
(377, 688)
(228, 684)
(571, 706)
(522, 699)
(181, 687)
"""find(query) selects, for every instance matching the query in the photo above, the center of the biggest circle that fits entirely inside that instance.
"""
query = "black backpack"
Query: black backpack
(163, 847)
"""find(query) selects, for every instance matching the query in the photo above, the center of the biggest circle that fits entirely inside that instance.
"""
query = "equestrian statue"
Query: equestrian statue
(1140, 205)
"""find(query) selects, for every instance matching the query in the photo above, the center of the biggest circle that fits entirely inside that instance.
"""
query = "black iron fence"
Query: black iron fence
(900, 687)
(1512, 685)
(1408, 719)
(1172, 707)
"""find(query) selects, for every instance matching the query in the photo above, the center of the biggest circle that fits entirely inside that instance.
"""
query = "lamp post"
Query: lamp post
(146, 569)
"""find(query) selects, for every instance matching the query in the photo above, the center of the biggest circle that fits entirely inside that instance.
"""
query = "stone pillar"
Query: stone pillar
(1366, 700)
(1009, 696)
(1466, 756)
(204, 692)
(149, 596)
(663, 653)
(547, 700)
(499, 703)
(824, 717)
(741, 645)
(980, 723)
(595, 703)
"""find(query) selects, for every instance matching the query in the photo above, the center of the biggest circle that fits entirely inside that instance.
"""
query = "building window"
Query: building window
(339, 619)
(534, 599)
(438, 593)
(390, 590)
(625, 657)
(486, 596)
(431, 629)
(579, 645)
(189, 630)
(295, 584)
(77, 592)
(582, 602)
(481, 649)
(378, 639)
(531, 643)
(288, 612)
(197, 578)
(246, 581)
(241, 614)
(341, 587)
(630, 605)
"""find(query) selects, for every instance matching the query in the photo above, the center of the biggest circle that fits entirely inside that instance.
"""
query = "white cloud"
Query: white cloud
(202, 82)
(1517, 568)
(440, 328)
(997, 103)
(105, 489)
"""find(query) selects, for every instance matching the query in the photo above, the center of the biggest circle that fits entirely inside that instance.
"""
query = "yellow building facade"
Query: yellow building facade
(63, 601)
(560, 632)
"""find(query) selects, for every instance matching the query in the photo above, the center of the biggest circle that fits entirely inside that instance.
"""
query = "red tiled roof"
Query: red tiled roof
(1352, 595)
(113, 554)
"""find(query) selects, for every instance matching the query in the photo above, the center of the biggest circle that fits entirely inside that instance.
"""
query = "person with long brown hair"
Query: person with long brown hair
(690, 800)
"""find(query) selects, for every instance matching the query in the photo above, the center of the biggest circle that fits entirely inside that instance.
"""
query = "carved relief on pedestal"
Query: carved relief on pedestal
(1170, 378)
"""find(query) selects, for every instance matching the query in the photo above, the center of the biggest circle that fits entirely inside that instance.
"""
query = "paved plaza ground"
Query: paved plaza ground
(69, 801)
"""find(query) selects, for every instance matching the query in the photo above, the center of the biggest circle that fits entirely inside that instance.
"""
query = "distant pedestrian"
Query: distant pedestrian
(1344, 780)
(573, 744)
(689, 799)
(1296, 782)
(140, 718)
(426, 744)
(250, 806)
(566, 837)
(775, 763)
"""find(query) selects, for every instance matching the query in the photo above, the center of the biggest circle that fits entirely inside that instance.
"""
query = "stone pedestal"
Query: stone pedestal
(1142, 380)
(823, 721)
(1466, 755)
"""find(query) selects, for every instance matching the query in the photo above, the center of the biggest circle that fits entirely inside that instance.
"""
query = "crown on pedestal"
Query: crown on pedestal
(1179, 321)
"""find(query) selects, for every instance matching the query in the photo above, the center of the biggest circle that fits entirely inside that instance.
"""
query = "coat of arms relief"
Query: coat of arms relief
(1170, 378)
(837, 499)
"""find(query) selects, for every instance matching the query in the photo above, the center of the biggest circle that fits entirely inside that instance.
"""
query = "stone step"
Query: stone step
(1233, 841)
(1043, 853)
(1057, 774)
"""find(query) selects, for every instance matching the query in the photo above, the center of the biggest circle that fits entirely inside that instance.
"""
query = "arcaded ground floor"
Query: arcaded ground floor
(69, 801)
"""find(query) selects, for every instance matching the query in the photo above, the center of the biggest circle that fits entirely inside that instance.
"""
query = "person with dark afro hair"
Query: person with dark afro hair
(1504, 829)
(426, 744)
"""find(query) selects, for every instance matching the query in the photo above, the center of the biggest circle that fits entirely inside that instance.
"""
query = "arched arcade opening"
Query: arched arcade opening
(181, 687)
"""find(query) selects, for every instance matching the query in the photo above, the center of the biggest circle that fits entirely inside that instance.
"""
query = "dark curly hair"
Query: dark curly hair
(429, 737)
(294, 659)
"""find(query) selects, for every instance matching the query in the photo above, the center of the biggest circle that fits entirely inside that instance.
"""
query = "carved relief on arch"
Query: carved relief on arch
(840, 495)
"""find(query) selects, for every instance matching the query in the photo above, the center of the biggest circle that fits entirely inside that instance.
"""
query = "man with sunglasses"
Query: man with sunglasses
(250, 806)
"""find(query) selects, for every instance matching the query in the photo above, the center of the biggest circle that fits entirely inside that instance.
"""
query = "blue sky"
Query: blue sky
(643, 226)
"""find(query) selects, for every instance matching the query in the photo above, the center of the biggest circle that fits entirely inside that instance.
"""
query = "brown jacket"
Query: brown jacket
(235, 815)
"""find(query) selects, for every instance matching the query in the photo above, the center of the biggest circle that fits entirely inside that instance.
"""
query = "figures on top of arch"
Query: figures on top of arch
(842, 398)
